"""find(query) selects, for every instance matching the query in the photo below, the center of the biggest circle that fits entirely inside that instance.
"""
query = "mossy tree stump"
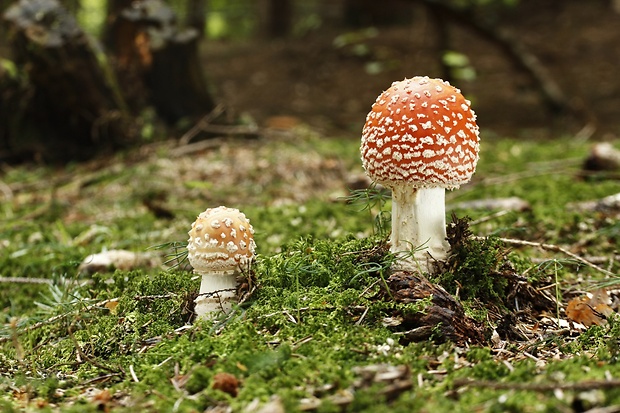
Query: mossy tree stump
(66, 101)
(157, 60)
(66, 104)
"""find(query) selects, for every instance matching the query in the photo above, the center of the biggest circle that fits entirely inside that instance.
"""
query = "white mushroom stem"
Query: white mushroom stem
(419, 225)
(218, 292)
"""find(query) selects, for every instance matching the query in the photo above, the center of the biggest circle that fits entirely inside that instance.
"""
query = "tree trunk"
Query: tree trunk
(157, 61)
(197, 15)
(363, 13)
(508, 43)
(444, 43)
(280, 17)
(176, 80)
(110, 31)
(276, 17)
(71, 107)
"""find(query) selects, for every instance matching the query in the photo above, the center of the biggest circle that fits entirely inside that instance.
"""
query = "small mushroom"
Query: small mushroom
(221, 243)
(419, 139)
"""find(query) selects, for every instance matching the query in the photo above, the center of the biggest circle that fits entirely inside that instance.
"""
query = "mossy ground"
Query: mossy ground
(313, 327)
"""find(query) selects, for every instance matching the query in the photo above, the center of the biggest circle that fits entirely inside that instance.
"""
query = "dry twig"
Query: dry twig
(555, 248)
(99, 304)
(540, 387)
(60, 317)
(25, 280)
(199, 126)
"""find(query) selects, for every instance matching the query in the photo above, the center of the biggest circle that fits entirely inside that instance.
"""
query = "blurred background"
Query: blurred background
(84, 77)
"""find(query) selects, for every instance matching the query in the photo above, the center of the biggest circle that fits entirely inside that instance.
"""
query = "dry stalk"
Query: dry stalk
(554, 248)
(83, 357)
(540, 387)
(91, 307)
(25, 280)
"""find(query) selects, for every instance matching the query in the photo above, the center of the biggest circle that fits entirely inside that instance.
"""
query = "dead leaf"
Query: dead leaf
(590, 310)
(111, 305)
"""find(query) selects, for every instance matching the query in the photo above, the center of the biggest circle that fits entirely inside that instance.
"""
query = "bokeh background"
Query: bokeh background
(534, 69)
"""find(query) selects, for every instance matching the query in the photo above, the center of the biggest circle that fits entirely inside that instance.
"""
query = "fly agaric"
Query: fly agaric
(221, 242)
(419, 139)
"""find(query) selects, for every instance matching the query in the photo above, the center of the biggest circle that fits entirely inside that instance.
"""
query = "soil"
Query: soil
(311, 80)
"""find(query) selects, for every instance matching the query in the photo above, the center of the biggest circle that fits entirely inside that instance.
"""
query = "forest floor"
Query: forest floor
(319, 329)
(319, 332)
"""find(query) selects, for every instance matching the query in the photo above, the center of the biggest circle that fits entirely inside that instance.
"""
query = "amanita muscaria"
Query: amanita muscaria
(419, 139)
(221, 243)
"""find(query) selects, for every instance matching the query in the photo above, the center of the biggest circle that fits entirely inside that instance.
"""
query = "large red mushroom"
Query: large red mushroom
(419, 139)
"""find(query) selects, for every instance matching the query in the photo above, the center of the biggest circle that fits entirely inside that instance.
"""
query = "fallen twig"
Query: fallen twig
(554, 248)
(306, 309)
(191, 148)
(205, 125)
(60, 317)
(98, 304)
(199, 126)
(25, 280)
(540, 387)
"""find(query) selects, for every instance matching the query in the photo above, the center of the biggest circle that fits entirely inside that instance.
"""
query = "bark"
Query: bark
(363, 13)
(276, 18)
(280, 18)
(197, 16)
(159, 63)
(444, 319)
(175, 79)
(444, 42)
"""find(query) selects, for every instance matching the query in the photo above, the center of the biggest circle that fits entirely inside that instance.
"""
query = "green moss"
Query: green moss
(317, 314)
(475, 267)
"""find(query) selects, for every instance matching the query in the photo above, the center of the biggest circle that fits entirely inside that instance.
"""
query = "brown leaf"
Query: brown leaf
(590, 310)
(111, 305)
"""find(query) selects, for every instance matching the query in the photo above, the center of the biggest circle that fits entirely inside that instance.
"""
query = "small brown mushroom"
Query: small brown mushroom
(419, 139)
(221, 243)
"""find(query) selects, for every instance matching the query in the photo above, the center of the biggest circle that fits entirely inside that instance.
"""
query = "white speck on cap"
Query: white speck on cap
(226, 246)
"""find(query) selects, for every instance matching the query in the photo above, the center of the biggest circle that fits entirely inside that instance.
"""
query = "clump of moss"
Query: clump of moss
(476, 265)
(348, 263)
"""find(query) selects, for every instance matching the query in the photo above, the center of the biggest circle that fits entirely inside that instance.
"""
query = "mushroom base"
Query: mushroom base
(418, 227)
(218, 293)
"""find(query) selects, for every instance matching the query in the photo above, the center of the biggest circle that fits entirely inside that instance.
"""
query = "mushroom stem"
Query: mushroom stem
(419, 225)
(218, 291)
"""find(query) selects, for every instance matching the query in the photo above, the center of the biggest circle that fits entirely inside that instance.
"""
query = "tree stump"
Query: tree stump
(158, 60)
(70, 107)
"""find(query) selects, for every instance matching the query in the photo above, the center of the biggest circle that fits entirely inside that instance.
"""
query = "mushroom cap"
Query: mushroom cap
(220, 239)
(421, 131)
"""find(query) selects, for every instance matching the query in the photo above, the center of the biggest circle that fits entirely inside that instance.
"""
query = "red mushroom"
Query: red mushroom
(419, 139)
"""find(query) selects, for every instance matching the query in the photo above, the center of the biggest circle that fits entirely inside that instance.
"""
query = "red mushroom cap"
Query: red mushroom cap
(422, 131)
